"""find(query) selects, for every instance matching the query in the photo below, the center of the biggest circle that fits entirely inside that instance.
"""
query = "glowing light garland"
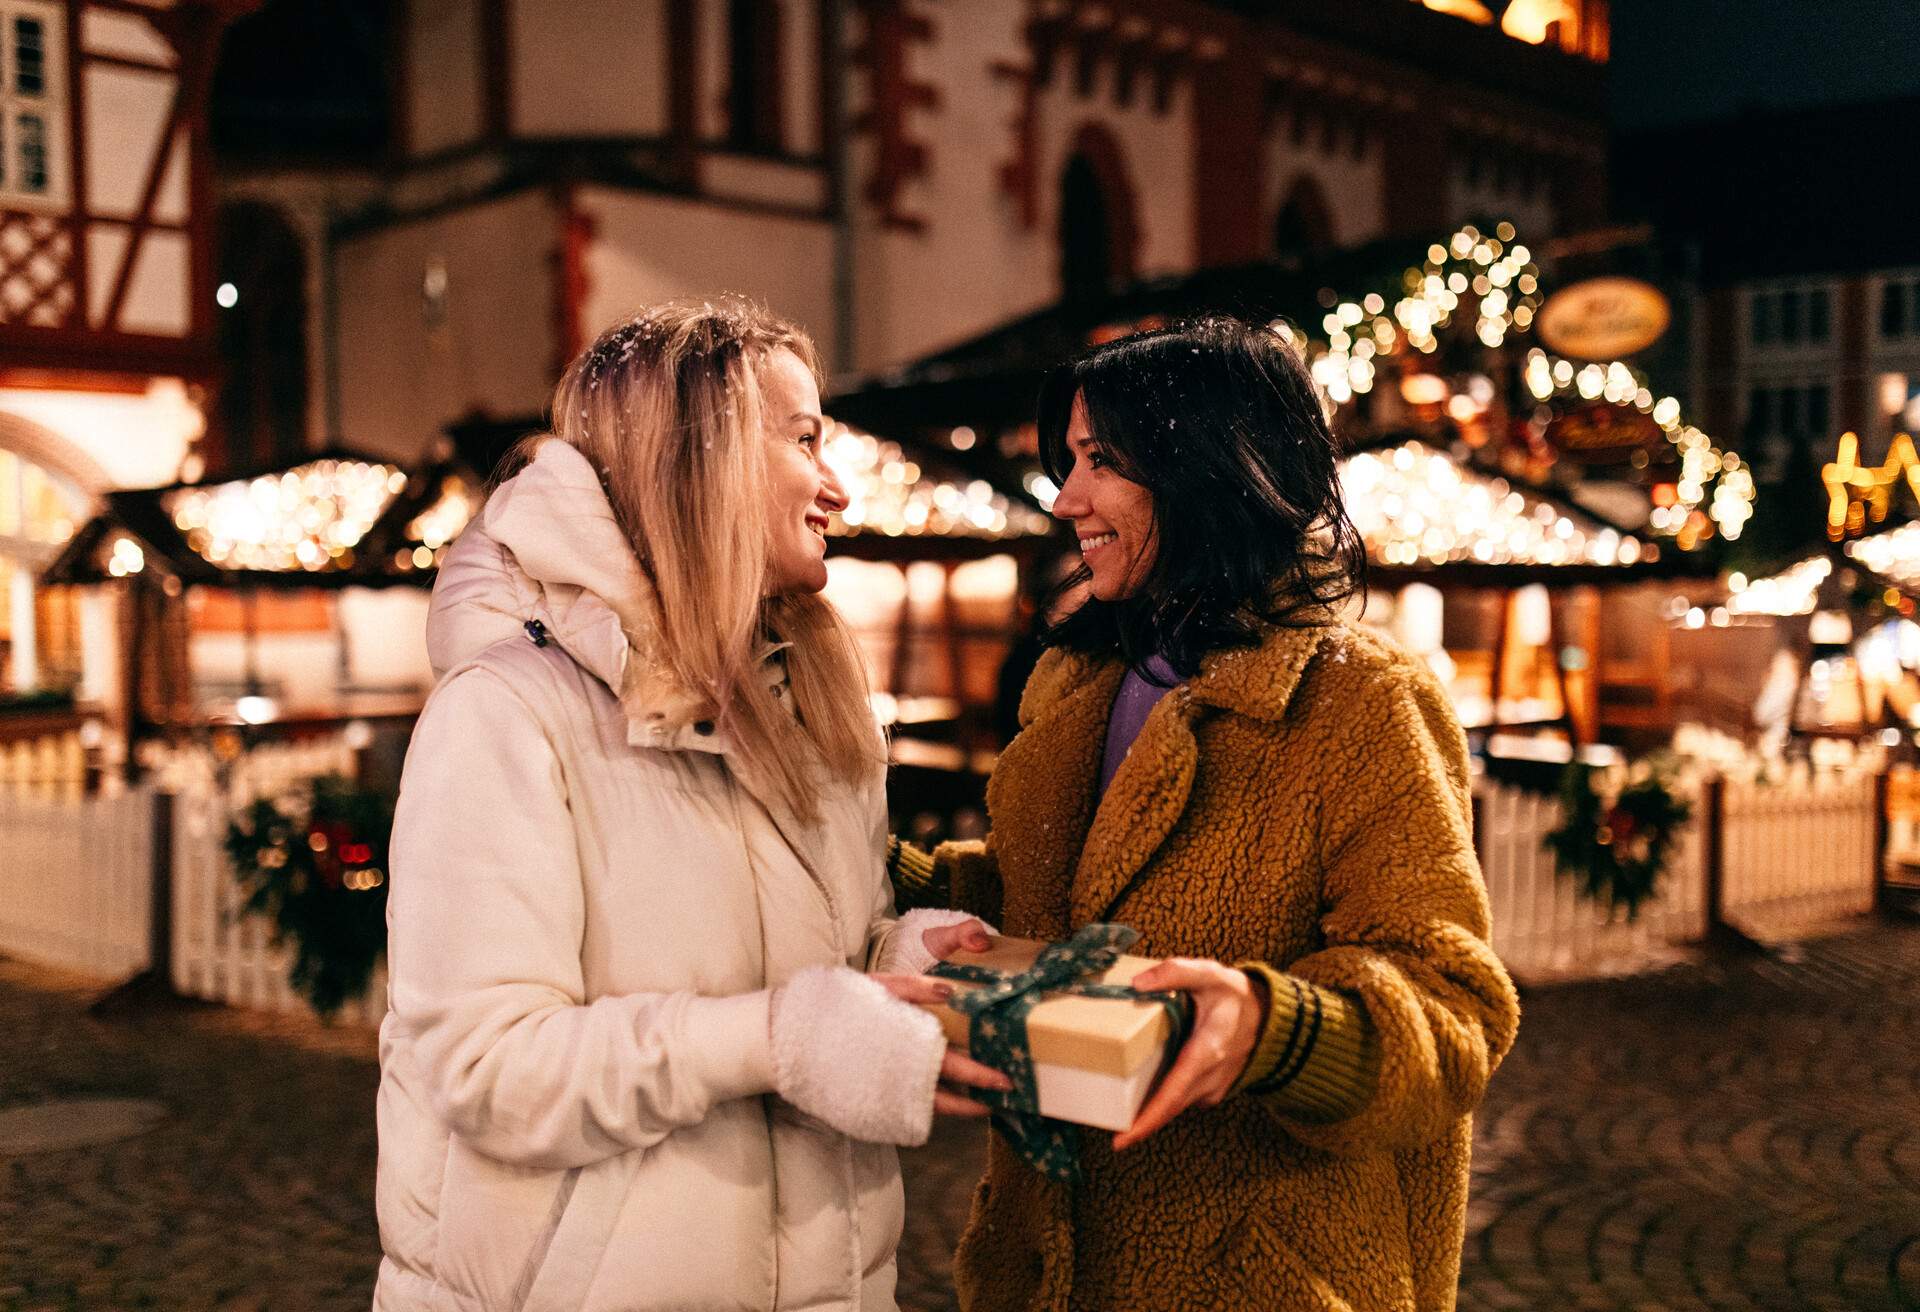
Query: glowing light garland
(1894, 555)
(308, 518)
(439, 524)
(888, 493)
(1793, 591)
(1495, 281)
(1415, 505)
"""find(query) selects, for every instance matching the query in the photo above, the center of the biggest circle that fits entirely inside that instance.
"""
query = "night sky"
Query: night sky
(1679, 61)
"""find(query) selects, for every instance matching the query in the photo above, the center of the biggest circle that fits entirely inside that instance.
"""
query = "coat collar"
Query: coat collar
(548, 550)
(1083, 861)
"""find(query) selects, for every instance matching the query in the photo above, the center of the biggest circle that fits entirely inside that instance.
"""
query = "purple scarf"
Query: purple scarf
(1138, 695)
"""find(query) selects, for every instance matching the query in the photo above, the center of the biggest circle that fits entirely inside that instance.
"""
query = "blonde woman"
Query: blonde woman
(631, 1060)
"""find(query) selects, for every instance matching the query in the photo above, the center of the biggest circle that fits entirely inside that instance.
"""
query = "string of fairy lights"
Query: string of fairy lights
(1492, 281)
(1415, 505)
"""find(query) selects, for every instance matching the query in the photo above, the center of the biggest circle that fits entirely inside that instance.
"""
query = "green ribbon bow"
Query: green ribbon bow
(997, 1034)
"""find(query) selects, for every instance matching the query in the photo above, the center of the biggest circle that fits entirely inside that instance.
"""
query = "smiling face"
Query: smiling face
(802, 490)
(1112, 515)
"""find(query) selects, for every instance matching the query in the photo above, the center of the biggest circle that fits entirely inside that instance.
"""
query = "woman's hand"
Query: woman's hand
(967, 936)
(958, 1071)
(1228, 1010)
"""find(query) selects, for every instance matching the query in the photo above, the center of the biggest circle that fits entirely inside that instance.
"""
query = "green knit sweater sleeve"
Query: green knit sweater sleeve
(1317, 1056)
(918, 881)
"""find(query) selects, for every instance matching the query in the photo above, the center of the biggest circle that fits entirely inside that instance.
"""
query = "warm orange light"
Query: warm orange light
(1857, 492)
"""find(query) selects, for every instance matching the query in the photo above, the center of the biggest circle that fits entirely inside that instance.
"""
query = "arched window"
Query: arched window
(263, 336)
(1304, 225)
(1098, 231)
(755, 90)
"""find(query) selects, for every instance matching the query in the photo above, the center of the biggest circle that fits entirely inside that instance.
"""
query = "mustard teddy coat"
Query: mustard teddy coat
(1303, 803)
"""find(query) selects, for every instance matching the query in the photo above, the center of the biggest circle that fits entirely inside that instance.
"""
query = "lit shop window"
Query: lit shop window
(33, 101)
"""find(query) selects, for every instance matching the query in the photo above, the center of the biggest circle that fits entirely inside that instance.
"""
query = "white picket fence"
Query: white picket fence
(75, 876)
(1799, 852)
(1543, 927)
(76, 879)
(1793, 854)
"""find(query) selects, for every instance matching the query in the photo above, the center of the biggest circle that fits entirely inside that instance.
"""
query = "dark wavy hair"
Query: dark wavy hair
(1219, 420)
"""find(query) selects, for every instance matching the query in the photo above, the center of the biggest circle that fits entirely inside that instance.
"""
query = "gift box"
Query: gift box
(1094, 1059)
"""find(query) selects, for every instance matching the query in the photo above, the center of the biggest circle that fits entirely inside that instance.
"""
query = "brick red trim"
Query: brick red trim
(899, 157)
(1229, 174)
(77, 162)
(683, 86)
(26, 347)
(574, 234)
(496, 69)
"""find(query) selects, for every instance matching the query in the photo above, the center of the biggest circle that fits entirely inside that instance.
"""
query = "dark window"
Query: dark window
(262, 336)
(1086, 233)
(1819, 315)
(1819, 411)
(1759, 413)
(1762, 328)
(1304, 225)
(754, 88)
(29, 57)
(1791, 413)
(33, 152)
(1893, 309)
(1790, 323)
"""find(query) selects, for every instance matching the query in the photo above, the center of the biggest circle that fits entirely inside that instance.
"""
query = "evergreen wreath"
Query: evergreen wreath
(1616, 832)
(314, 863)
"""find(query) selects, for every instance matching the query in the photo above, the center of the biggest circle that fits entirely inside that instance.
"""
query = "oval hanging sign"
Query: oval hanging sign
(1603, 318)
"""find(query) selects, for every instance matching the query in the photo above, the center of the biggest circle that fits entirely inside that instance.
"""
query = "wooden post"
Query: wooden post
(160, 912)
(1714, 800)
(1882, 787)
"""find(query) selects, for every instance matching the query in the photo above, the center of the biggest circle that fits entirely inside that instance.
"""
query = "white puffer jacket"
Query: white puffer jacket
(588, 916)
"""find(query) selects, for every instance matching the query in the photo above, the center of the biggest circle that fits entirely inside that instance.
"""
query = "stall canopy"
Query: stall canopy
(1432, 341)
(332, 519)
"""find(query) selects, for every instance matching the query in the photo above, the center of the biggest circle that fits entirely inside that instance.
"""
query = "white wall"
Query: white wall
(976, 265)
(401, 380)
(1532, 215)
(590, 68)
(1354, 187)
(649, 247)
(443, 74)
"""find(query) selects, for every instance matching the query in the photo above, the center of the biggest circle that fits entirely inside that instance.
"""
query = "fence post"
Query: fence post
(1714, 803)
(160, 913)
(1882, 788)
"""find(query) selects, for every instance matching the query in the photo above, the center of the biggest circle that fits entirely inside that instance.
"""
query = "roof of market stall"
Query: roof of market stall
(331, 519)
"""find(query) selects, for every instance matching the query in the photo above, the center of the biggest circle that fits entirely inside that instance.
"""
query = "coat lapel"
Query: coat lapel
(1041, 793)
(1151, 789)
(1143, 803)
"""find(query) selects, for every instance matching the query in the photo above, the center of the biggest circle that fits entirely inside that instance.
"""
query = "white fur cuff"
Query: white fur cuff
(906, 952)
(851, 1054)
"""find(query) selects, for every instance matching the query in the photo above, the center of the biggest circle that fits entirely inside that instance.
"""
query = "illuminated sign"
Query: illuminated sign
(1603, 318)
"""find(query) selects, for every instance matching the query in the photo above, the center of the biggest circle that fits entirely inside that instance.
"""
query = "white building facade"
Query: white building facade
(897, 175)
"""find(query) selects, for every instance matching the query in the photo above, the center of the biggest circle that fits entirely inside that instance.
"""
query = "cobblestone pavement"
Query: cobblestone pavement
(1738, 1135)
(1717, 1135)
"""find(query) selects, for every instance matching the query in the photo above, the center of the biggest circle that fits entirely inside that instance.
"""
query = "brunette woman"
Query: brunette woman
(1278, 801)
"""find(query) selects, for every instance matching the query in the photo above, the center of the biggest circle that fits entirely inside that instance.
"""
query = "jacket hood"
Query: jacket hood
(546, 549)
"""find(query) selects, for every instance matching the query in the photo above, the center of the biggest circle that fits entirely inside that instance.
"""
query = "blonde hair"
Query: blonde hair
(667, 407)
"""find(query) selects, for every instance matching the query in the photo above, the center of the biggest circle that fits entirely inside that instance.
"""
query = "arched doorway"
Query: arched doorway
(262, 414)
(40, 507)
(1099, 232)
(1304, 226)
